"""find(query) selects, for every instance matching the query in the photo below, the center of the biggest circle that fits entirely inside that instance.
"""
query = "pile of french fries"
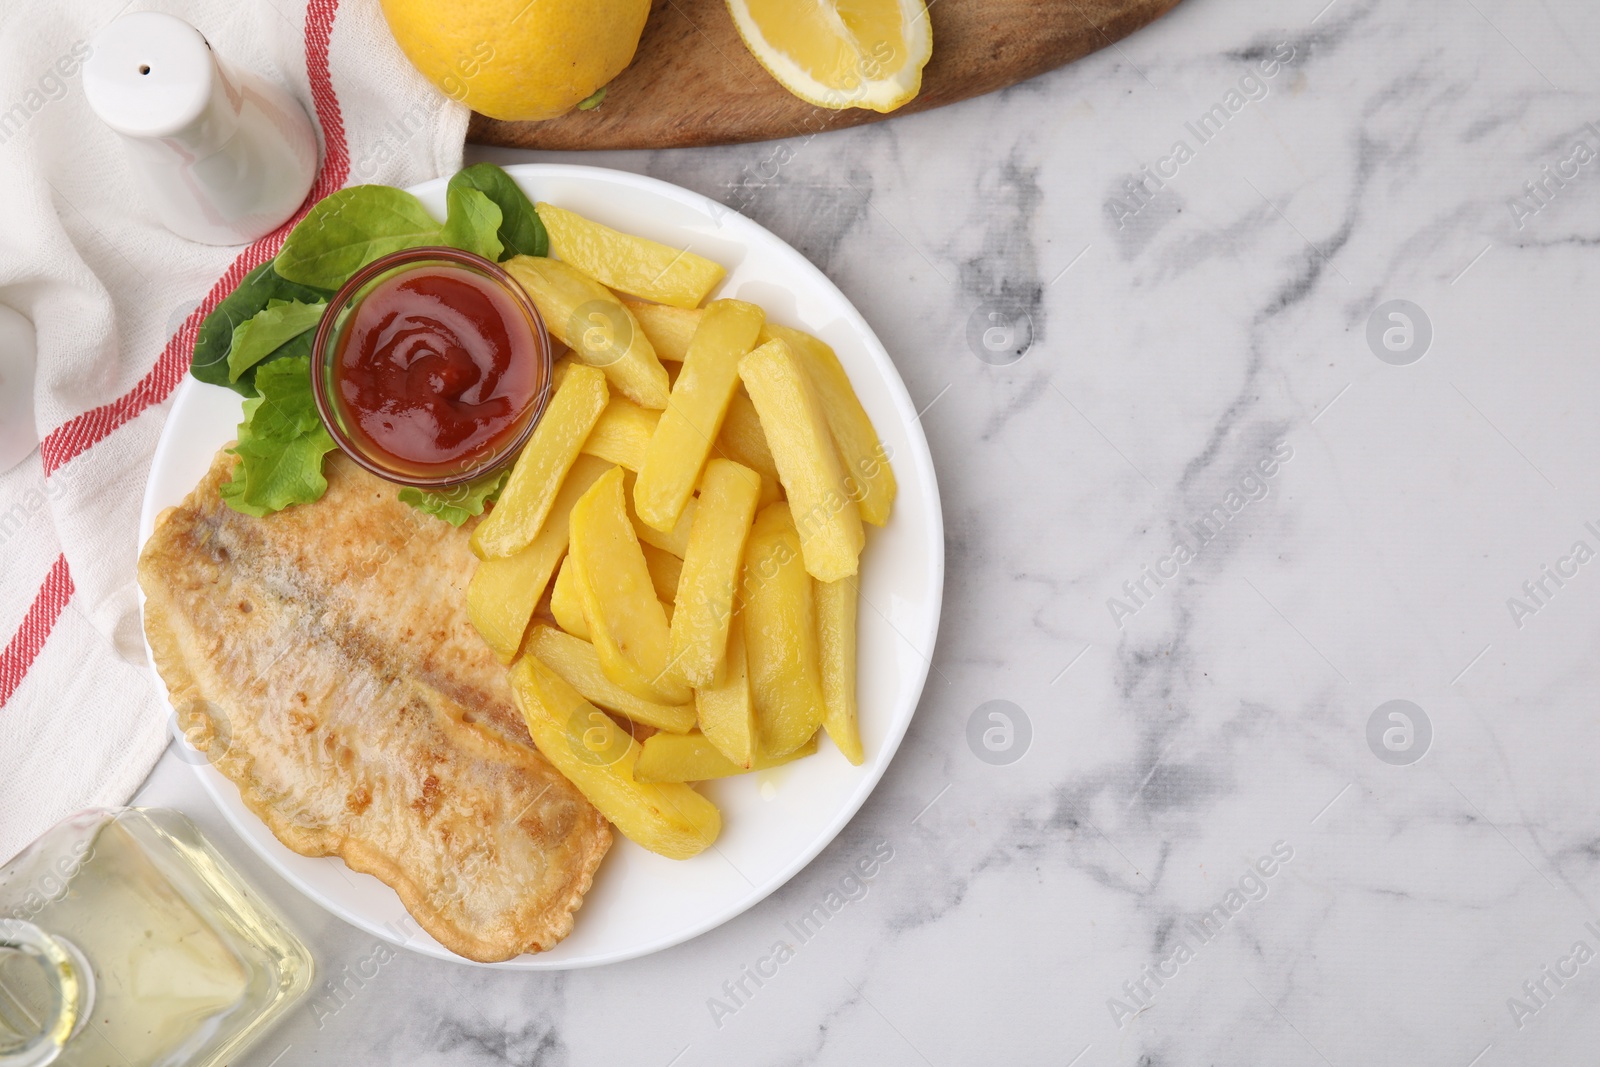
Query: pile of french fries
(671, 566)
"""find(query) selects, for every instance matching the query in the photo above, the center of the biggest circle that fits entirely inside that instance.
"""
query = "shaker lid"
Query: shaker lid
(149, 74)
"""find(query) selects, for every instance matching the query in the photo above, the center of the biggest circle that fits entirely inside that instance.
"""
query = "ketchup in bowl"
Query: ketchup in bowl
(434, 367)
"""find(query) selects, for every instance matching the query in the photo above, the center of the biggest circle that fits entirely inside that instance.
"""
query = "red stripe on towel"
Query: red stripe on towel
(35, 629)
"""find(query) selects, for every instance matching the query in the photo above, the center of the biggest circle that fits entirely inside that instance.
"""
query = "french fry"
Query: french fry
(780, 634)
(724, 710)
(743, 440)
(665, 571)
(693, 758)
(868, 476)
(499, 595)
(575, 660)
(836, 641)
(587, 317)
(862, 456)
(535, 481)
(622, 433)
(675, 540)
(711, 569)
(632, 264)
(626, 622)
(828, 520)
(504, 591)
(598, 757)
(669, 328)
(565, 604)
(567, 607)
(689, 426)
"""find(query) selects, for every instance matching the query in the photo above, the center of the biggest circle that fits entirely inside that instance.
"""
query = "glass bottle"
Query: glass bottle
(125, 939)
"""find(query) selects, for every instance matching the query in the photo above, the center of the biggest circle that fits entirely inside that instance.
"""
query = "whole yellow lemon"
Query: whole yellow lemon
(518, 59)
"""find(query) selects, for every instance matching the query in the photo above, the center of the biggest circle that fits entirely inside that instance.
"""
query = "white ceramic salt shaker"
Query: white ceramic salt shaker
(18, 434)
(225, 155)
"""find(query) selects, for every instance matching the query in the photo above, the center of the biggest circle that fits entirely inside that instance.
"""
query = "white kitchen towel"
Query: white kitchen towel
(116, 300)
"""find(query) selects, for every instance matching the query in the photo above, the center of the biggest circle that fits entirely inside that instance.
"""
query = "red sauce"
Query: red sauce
(437, 365)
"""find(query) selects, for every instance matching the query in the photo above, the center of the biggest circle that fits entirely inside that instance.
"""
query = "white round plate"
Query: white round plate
(774, 822)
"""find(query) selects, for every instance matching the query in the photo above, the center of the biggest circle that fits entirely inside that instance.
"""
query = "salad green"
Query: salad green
(257, 341)
(460, 502)
(473, 223)
(521, 232)
(348, 229)
(281, 443)
(214, 343)
(282, 328)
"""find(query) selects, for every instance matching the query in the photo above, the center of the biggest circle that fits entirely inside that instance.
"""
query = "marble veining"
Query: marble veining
(1217, 847)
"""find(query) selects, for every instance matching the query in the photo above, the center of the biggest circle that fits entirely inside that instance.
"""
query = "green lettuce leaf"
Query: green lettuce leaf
(281, 443)
(521, 233)
(258, 340)
(214, 342)
(270, 332)
(472, 223)
(458, 503)
(348, 229)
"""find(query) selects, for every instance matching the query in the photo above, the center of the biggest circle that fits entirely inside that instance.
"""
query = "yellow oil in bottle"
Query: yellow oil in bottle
(186, 964)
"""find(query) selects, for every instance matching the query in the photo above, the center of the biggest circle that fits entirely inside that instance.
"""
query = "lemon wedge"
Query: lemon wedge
(840, 53)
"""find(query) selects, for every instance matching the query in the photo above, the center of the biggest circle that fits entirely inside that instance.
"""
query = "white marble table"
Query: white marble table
(1375, 524)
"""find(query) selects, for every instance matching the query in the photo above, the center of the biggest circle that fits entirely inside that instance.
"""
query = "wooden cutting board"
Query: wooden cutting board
(692, 82)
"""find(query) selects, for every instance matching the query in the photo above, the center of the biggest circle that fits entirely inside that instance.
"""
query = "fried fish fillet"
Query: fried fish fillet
(323, 659)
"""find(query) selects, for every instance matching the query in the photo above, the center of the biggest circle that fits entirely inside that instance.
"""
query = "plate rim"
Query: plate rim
(217, 786)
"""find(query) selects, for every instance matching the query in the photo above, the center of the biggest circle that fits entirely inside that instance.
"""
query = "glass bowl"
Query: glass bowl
(341, 423)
